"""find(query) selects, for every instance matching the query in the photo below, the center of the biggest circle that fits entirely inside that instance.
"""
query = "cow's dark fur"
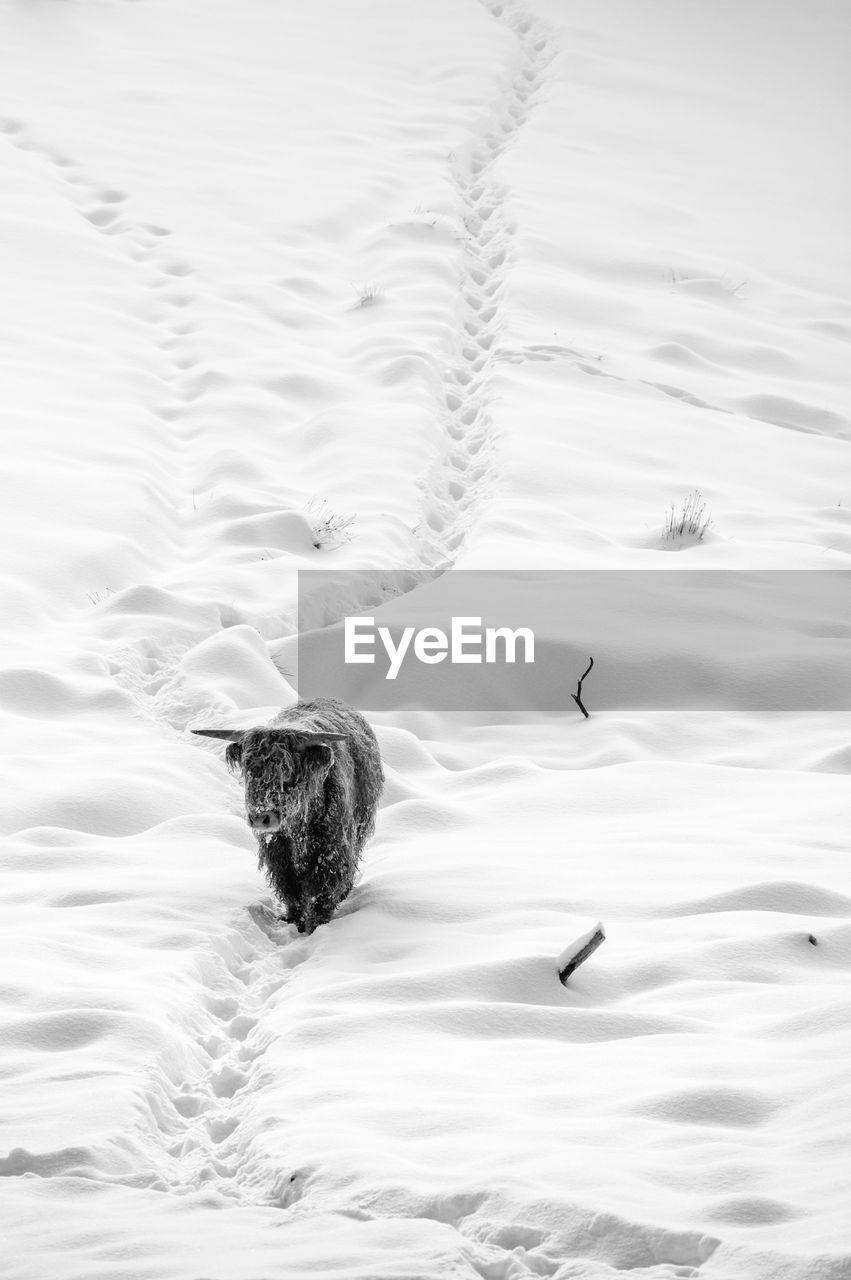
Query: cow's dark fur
(326, 796)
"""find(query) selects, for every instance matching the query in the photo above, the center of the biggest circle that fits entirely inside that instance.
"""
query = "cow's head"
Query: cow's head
(283, 769)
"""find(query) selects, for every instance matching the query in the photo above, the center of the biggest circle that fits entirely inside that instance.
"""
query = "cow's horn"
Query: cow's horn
(229, 735)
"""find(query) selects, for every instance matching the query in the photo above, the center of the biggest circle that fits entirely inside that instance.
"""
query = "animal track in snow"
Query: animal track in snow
(201, 1132)
(450, 504)
(107, 209)
(182, 390)
(196, 1125)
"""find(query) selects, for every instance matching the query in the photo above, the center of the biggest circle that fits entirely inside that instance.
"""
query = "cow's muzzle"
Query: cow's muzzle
(264, 822)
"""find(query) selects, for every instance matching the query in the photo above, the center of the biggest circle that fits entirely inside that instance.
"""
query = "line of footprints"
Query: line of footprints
(458, 485)
(201, 1124)
(145, 245)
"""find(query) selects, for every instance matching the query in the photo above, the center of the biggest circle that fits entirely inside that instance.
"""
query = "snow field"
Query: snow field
(501, 285)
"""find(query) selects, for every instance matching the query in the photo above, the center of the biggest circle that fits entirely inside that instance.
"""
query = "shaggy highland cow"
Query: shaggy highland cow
(313, 778)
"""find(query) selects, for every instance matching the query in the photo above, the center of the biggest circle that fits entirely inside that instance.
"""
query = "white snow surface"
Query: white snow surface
(503, 284)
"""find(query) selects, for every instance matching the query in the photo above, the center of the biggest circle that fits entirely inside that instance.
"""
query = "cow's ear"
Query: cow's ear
(233, 756)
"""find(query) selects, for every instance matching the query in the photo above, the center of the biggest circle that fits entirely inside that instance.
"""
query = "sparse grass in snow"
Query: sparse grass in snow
(690, 522)
(369, 294)
(330, 529)
(97, 597)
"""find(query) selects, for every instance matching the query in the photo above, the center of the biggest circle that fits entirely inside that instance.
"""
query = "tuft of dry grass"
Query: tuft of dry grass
(369, 294)
(330, 530)
(691, 522)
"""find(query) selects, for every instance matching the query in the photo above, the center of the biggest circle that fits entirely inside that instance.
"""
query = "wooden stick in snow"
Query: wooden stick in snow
(577, 697)
(571, 958)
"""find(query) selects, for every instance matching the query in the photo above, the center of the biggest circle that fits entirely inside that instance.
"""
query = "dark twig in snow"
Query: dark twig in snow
(577, 697)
